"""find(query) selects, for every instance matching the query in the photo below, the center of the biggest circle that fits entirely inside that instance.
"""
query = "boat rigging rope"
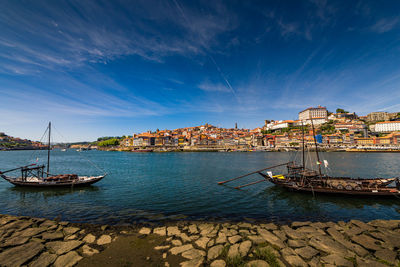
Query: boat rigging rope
(35, 151)
(81, 155)
(310, 161)
(296, 154)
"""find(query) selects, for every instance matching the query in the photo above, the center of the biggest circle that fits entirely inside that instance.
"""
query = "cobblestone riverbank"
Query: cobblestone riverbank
(28, 241)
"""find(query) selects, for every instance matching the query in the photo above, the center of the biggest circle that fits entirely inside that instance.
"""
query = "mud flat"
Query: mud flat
(26, 241)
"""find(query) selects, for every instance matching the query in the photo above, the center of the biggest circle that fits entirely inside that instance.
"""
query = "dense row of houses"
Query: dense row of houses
(338, 129)
(251, 139)
(204, 135)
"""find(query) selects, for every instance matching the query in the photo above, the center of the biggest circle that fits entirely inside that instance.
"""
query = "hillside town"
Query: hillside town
(341, 130)
(15, 143)
(333, 131)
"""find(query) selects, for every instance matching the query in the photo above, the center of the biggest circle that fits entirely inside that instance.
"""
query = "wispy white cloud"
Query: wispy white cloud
(288, 28)
(210, 87)
(88, 101)
(385, 25)
(69, 35)
(324, 10)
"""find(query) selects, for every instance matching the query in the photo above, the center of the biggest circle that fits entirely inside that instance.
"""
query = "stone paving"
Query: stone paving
(355, 243)
(41, 242)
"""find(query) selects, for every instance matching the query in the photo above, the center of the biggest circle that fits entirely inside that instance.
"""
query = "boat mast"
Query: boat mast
(302, 130)
(48, 151)
(316, 147)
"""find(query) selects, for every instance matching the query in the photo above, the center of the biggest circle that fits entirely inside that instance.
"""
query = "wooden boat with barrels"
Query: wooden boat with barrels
(299, 178)
(36, 176)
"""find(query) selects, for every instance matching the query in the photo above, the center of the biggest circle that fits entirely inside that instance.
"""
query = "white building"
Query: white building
(280, 125)
(316, 121)
(318, 112)
(387, 126)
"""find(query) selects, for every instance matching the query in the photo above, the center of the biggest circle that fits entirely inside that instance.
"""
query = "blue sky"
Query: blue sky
(101, 68)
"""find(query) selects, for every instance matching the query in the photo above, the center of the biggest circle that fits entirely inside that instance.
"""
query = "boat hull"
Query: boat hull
(367, 192)
(43, 184)
(384, 193)
(380, 192)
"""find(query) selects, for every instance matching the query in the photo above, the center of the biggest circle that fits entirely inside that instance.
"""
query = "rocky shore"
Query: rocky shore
(40, 242)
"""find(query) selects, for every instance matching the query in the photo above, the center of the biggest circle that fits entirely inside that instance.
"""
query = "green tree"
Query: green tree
(109, 142)
(340, 110)
(328, 127)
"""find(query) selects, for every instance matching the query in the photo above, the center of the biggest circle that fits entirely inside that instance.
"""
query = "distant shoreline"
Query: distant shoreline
(19, 149)
(151, 150)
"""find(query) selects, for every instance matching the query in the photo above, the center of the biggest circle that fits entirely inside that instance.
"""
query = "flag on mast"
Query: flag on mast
(326, 163)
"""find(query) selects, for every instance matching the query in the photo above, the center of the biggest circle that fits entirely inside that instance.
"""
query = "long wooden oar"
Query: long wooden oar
(263, 180)
(17, 168)
(252, 173)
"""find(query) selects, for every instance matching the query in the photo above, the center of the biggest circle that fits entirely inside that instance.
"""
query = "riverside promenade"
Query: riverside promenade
(26, 241)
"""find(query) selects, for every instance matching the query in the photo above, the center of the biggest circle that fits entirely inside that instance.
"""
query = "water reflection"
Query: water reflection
(28, 192)
(308, 202)
(174, 186)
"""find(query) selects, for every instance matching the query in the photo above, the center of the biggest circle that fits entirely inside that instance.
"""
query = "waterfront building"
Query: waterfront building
(242, 141)
(387, 126)
(137, 141)
(333, 139)
(229, 142)
(379, 116)
(148, 139)
(396, 138)
(257, 140)
(385, 140)
(318, 112)
(159, 140)
(127, 142)
(276, 125)
(348, 138)
(350, 126)
(282, 140)
(364, 141)
(181, 141)
(315, 121)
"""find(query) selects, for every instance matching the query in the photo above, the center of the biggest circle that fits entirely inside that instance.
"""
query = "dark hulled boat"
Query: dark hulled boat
(299, 178)
(36, 176)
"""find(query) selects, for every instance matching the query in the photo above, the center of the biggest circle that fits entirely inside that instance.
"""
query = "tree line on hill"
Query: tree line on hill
(107, 141)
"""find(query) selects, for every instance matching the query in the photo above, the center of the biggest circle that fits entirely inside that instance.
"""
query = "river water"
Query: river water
(156, 187)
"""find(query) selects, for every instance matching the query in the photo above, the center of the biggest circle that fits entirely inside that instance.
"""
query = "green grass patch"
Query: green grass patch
(236, 261)
(265, 244)
(224, 252)
(266, 253)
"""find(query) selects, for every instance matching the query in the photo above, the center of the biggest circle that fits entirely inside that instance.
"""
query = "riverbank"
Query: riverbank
(248, 149)
(42, 242)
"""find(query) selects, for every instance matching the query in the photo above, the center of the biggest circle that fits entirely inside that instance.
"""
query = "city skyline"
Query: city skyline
(109, 69)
